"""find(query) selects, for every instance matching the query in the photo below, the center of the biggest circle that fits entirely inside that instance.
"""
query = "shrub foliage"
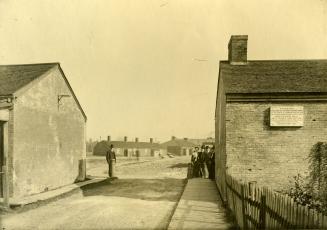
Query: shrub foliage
(312, 191)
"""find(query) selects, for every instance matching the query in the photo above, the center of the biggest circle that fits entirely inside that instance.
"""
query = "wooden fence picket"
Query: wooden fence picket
(312, 218)
(316, 220)
(324, 222)
(302, 215)
(321, 219)
(278, 206)
(289, 212)
(255, 207)
(306, 212)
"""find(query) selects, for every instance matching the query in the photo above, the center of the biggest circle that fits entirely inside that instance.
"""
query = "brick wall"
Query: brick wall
(237, 49)
(271, 156)
(176, 150)
(220, 140)
(48, 141)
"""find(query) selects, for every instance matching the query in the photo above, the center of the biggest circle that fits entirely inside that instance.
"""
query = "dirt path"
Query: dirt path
(144, 168)
(143, 197)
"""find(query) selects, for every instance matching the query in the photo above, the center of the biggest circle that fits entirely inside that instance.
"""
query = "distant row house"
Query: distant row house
(129, 149)
(175, 146)
(204, 141)
(185, 146)
(179, 147)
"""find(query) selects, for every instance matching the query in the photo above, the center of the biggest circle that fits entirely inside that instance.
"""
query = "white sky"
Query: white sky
(133, 63)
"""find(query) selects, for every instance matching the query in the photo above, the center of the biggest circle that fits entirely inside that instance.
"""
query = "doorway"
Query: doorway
(2, 152)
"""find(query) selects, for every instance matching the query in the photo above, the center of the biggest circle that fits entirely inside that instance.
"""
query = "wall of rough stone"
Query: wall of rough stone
(48, 139)
(271, 155)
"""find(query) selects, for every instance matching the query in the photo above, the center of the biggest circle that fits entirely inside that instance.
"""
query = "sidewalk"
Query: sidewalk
(49, 195)
(200, 207)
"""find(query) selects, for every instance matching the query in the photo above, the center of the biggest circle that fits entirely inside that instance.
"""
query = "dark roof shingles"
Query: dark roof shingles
(178, 142)
(14, 77)
(129, 144)
(295, 76)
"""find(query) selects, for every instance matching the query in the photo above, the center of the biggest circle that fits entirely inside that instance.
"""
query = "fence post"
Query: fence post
(252, 185)
(245, 225)
(5, 187)
(262, 213)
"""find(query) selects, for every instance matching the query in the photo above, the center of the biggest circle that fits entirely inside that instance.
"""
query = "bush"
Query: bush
(312, 191)
(302, 193)
(318, 169)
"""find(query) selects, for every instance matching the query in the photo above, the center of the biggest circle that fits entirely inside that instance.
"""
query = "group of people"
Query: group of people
(203, 162)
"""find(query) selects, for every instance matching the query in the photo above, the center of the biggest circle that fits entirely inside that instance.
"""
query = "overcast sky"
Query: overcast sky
(149, 68)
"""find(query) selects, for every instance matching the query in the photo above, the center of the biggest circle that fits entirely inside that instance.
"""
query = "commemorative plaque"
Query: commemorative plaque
(286, 116)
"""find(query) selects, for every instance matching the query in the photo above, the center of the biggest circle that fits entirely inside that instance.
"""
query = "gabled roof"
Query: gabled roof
(15, 77)
(280, 76)
(179, 143)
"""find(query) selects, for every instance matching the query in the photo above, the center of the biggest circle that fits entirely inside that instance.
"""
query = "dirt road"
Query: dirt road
(143, 197)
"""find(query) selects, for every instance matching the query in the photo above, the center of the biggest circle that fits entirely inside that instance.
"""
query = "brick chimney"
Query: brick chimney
(237, 49)
(136, 139)
(125, 139)
(108, 138)
(151, 140)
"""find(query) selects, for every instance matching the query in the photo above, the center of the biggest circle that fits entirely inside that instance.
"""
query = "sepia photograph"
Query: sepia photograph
(163, 114)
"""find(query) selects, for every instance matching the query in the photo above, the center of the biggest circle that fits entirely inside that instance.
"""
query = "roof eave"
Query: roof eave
(72, 92)
(277, 96)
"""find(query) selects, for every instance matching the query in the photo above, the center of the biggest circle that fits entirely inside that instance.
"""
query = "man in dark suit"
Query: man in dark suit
(212, 163)
(111, 160)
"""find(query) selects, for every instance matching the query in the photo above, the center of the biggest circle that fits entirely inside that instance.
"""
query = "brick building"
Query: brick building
(42, 129)
(204, 141)
(269, 114)
(130, 149)
(179, 147)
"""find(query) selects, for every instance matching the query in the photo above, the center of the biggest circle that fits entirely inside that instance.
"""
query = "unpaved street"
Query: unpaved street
(144, 196)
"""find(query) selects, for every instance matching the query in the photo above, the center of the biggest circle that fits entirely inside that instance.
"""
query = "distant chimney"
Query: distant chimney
(173, 137)
(185, 138)
(108, 138)
(151, 140)
(125, 139)
(237, 49)
(136, 139)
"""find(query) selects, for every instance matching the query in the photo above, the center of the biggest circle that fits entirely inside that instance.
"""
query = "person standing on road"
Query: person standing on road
(111, 160)
(207, 161)
(212, 163)
(195, 162)
(201, 162)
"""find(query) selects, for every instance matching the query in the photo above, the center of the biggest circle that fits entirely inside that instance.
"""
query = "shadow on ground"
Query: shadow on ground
(145, 189)
(179, 165)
